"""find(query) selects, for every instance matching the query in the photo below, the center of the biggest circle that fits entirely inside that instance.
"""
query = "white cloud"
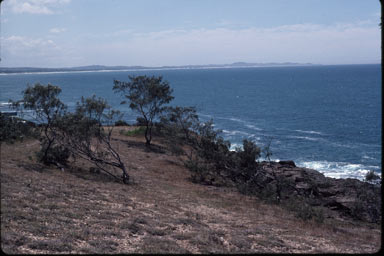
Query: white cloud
(35, 6)
(57, 30)
(320, 44)
(27, 51)
(337, 44)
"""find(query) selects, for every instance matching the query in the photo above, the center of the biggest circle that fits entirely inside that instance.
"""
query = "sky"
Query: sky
(67, 33)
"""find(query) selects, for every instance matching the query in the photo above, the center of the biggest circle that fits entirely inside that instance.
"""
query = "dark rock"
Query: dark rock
(288, 163)
(349, 198)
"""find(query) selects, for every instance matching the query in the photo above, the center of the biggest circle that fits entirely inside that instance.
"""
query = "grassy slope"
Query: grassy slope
(46, 210)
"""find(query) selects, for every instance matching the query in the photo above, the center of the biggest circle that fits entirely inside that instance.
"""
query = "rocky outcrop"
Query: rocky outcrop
(342, 197)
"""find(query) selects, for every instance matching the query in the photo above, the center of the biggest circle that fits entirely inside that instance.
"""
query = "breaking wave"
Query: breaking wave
(339, 169)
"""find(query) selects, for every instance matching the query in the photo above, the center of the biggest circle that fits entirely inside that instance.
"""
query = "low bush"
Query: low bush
(57, 155)
(138, 131)
(14, 129)
(371, 176)
(121, 123)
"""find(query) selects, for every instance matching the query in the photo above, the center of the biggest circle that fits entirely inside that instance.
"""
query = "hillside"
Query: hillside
(47, 210)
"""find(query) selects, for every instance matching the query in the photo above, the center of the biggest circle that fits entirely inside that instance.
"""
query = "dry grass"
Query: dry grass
(46, 210)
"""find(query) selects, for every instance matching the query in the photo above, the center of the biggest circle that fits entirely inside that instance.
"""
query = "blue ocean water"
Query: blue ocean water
(323, 117)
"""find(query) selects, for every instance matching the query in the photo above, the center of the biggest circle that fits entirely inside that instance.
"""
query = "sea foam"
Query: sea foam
(340, 169)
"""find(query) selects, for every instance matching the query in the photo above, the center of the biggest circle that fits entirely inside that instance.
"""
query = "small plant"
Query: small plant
(303, 210)
(138, 131)
(267, 151)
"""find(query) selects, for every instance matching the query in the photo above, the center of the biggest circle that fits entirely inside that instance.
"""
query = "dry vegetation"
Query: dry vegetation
(47, 210)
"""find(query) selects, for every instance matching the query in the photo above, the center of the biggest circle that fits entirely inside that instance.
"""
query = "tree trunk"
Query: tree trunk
(148, 134)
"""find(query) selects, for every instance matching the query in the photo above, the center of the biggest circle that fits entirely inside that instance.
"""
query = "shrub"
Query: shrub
(138, 131)
(371, 176)
(303, 210)
(14, 129)
(180, 121)
(57, 155)
(83, 134)
(249, 154)
(121, 123)
(140, 121)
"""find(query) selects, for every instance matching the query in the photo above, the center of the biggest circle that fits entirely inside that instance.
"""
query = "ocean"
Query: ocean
(327, 118)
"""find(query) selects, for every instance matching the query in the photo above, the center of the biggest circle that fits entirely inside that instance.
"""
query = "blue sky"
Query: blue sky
(62, 33)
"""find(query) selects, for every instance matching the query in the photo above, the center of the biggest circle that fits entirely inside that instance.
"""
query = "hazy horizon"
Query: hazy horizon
(65, 33)
(181, 66)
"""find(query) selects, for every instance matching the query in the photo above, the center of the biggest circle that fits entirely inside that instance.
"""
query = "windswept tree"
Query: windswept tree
(87, 133)
(147, 96)
(43, 100)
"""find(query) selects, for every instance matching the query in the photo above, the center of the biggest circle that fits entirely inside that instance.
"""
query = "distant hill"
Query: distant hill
(8, 70)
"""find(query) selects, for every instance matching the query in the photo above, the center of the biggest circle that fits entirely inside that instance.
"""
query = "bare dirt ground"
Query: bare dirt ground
(47, 210)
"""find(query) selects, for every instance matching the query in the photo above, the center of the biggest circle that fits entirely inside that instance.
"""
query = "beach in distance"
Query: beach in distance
(322, 117)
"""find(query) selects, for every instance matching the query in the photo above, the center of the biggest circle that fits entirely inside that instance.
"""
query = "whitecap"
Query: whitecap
(251, 126)
(235, 132)
(234, 146)
(236, 120)
(304, 138)
(339, 169)
(310, 132)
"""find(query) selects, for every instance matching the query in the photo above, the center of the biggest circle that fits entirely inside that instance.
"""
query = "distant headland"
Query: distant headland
(122, 68)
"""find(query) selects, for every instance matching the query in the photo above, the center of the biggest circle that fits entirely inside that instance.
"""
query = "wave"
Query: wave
(340, 169)
(234, 146)
(205, 115)
(251, 126)
(234, 119)
(310, 132)
(304, 138)
(235, 132)
(368, 157)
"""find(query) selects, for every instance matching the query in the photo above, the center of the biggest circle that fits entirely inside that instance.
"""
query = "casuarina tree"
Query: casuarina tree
(147, 96)
(87, 133)
(47, 108)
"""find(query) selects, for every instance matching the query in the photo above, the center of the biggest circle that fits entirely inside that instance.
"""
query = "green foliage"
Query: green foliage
(303, 210)
(13, 129)
(140, 121)
(44, 102)
(211, 158)
(58, 155)
(267, 151)
(147, 96)
(138, 131)
(371, 176)
(180, 122)
(82, 132)
(121, 123)
(249, 154)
